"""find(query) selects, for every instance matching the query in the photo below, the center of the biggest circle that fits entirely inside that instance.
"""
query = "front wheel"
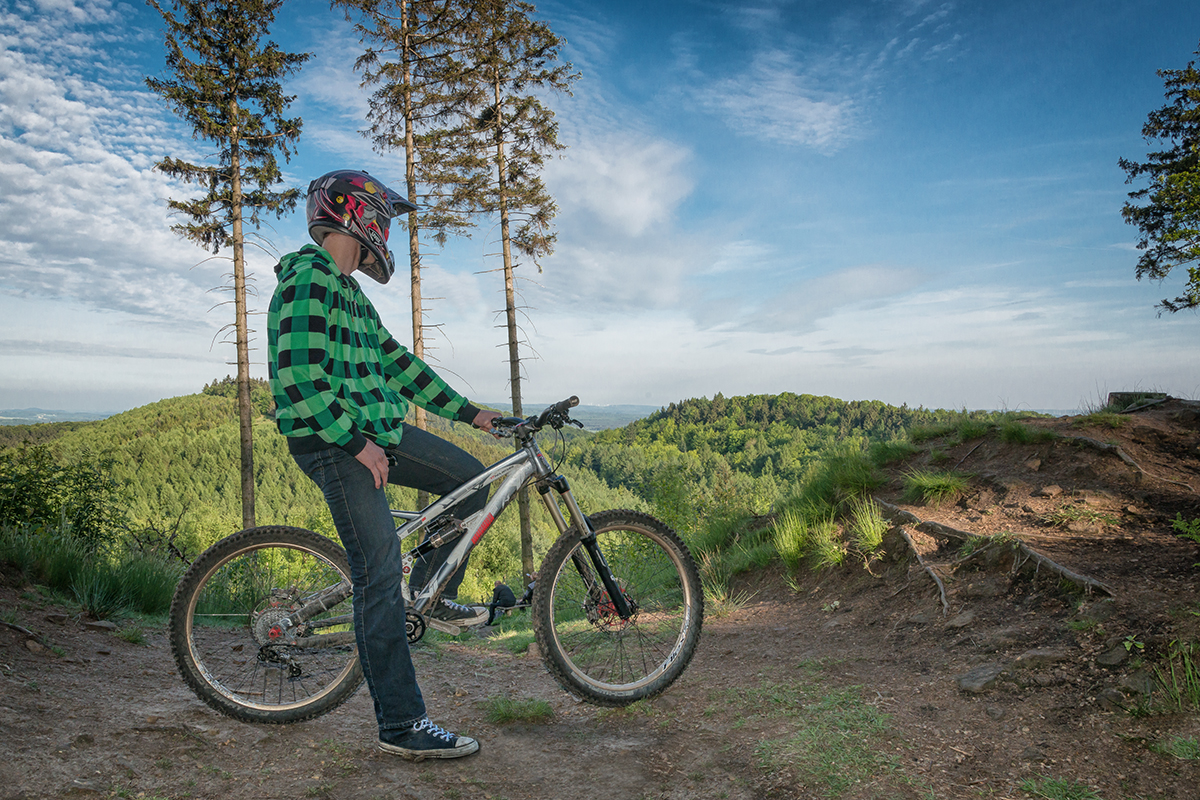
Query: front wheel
(589, 649)
(262, 629)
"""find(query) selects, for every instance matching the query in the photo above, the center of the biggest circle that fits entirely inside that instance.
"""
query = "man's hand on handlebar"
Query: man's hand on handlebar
(483, 420)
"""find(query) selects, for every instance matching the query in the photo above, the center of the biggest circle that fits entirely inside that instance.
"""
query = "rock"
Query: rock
(987, 586)
(100, 625)
(83, 740)
(995, 712)
(1139, 682)
(532, 651)
(1113, 657)
(979, 679)
(1112, 700)
(921, 618)
(1052, 490)
(1032, 753)
(961, 620)
(34, 647)
(81, 787)
(1040, 657)
(57, 619)
(1096, 611)
(1033, 464)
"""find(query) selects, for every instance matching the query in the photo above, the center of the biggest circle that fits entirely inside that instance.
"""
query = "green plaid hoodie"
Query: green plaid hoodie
(338, 376)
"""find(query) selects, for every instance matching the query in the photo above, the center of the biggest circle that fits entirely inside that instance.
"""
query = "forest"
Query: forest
(168, 472)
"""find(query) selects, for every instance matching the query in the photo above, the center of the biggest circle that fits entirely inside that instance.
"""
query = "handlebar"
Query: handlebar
(555, 416)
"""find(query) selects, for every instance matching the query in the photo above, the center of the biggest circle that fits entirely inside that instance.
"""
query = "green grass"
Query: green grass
(1058, 789)
(719, 599)
(1015, 432)
(103, 584)
(132, 634)
(1064, 516)
(825, 544)
(833, 740)
(1100, 419)
(791, 539)
(934, 488)
(867, 525)
(1179, 677)
(884, 453)
(505, 710)
(924, 433)
(1186, 749)
(969, 429)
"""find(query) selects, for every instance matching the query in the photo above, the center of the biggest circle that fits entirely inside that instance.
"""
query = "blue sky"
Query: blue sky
(916, 202)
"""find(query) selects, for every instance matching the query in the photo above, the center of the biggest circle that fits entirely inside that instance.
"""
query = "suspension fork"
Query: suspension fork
(559, 484)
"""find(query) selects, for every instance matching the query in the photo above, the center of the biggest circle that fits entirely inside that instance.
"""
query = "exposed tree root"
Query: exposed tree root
(941, 587)
(1025, 554)
(16, 627)
(1105, 447)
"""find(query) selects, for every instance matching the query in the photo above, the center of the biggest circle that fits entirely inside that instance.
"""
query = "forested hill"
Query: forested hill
(871, 418)
(751, 449)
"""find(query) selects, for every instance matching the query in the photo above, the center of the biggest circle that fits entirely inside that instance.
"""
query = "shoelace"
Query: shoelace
(456, 607)
(429, 727)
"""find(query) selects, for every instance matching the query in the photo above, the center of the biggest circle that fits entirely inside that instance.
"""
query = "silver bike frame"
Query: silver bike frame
(513, 471)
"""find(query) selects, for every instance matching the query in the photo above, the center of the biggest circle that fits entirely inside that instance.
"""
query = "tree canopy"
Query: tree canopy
(1167, 211)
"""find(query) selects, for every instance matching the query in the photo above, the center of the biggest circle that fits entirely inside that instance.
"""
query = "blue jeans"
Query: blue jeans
(364, 524)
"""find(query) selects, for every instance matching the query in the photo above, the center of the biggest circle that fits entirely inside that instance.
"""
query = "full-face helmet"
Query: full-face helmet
(354, 203)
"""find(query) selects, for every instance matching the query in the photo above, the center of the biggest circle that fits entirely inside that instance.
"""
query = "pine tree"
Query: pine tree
(519, 59)
(227, 83)
(1169, 222)
(415, 61)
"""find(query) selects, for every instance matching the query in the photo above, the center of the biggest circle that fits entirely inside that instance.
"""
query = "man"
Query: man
(342, 386)
(502, 597)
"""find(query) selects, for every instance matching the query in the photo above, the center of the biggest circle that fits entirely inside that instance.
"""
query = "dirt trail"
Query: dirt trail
(97, 716)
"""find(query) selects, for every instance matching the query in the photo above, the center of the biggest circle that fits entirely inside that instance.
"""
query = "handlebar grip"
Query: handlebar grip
(570, 402)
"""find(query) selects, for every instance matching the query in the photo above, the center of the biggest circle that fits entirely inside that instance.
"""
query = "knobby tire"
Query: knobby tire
(227, 646)
(587, 647)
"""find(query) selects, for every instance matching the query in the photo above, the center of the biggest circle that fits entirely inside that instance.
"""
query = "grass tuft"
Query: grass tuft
(1064, 516)
(1015, 432)
(884, 453)
(1179, 747)
(505, 710)
(934, 488)
(867, 525)
(1058, 789)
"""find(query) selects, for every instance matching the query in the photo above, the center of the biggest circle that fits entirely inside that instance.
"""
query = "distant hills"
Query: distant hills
(594, 418)
(34, 416)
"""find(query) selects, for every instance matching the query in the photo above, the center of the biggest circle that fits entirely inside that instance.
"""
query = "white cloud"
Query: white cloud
(776, 100)
(85, 214)
(627, 180)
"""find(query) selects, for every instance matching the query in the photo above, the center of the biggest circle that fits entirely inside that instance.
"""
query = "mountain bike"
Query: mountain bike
(262, 630)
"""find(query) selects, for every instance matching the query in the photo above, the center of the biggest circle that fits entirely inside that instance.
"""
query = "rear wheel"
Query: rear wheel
(261, 626)
(587, 647)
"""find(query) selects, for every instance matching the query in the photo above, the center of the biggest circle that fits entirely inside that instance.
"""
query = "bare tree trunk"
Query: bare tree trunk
(414, 242)
(510, 313)
(245, 423)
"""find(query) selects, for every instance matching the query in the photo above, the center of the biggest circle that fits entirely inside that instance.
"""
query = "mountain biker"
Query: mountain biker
(342, 386)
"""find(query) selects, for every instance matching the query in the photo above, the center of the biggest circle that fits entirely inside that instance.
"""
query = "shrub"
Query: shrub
(81, 497)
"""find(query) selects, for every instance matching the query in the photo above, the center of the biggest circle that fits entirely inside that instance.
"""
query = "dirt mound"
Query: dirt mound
(847, 683)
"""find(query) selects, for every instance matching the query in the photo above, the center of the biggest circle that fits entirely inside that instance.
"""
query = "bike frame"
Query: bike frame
(514, 471)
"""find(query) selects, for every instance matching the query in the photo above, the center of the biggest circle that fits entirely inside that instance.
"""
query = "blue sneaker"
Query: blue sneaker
(426, 740)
